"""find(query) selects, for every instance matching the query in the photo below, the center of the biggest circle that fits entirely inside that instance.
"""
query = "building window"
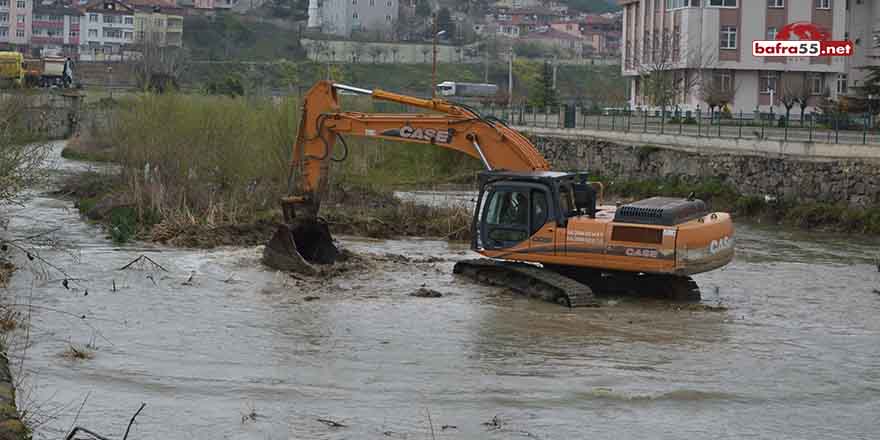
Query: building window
(19, 18)
(354, 2)
(724, 79)
(388, 18)
(93, 18)
(74, 33)
(722, 3)
(817, 83)
(4, 18)
(129, 20)
(74, 20)
(355, 15)
(823, 4)
(678, 4)
(388, 4)
(771, 33)
(20, 4)
(4, 32)
(767, 82)
(372, 2)
(841, 84)
(93, 33)
(728, 37)
(128, 36)
(775, 3)
(19, 33)
(4, 3)
(108, 19)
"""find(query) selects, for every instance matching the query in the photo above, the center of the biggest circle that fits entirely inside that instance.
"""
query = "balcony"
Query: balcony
(45, 24)
(46, 40)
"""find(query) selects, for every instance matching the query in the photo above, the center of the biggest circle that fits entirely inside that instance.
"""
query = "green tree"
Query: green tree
(542, 92)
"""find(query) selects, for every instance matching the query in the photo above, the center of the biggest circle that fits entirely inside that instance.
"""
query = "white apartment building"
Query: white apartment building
(15, 23)
(107, 28)
(712, 40)
(342, 17)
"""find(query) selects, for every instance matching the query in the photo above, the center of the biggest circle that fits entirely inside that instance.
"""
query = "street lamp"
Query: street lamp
(434, 64)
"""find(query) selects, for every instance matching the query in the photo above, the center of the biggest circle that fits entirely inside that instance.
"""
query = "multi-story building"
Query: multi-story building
(159, 22)
(342, 17)
(55, 30)
(15, 24)
(158, 26)
(710, 42)
(863, 29)
(108, 29)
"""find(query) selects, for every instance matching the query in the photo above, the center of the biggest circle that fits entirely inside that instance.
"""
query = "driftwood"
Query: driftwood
(332, 423)
(77, 429)
(143, 258)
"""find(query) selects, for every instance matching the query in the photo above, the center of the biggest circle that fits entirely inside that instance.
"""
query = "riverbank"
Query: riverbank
(11, 426)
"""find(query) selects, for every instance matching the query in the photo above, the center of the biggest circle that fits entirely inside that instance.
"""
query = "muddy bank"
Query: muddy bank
(11, 426)
(349, 210)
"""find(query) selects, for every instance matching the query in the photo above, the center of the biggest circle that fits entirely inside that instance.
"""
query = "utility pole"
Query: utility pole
(555, 61)
(434, 66)
(486, 62)
(510, 76)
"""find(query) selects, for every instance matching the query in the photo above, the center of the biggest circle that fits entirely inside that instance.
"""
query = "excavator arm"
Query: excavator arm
(450, 126)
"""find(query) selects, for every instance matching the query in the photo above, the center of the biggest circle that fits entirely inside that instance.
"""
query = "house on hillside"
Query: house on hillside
(565, 43)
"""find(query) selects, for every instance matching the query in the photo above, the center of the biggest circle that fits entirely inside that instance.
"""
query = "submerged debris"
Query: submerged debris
(426, 293)
(332, 423)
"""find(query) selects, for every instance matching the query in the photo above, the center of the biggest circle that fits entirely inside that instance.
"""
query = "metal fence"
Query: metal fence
(839, 128)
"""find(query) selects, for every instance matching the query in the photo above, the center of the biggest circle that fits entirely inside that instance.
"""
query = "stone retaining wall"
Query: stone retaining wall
(852, 181)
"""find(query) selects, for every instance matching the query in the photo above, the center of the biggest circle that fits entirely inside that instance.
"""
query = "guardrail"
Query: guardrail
(838, 128)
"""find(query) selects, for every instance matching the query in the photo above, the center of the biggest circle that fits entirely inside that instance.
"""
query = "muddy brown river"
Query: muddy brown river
(240, 352)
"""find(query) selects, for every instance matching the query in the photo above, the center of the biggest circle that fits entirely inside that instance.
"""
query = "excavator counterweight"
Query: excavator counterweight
(544, 233)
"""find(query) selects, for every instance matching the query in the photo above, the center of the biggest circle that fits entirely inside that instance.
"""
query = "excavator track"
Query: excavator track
(530, 280)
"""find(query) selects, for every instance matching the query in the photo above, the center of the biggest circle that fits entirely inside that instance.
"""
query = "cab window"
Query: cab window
(507, 217)
(539, 210)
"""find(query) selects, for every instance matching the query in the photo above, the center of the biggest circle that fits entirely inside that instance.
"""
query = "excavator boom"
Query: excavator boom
(454, 127)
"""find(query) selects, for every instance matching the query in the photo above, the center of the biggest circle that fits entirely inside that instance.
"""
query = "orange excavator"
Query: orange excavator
(545, 233)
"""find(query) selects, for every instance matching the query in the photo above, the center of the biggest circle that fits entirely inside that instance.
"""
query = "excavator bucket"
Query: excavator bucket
(297, 247)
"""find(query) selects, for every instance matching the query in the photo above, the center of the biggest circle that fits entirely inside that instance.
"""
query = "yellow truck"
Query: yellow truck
(11, 69)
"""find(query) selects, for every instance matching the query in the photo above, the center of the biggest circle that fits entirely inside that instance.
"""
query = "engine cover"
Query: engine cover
(664, 211)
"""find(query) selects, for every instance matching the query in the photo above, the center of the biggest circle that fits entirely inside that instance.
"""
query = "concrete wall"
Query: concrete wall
(852, 181)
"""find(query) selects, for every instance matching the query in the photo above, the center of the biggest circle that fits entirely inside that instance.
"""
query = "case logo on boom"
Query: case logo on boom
(423, 134)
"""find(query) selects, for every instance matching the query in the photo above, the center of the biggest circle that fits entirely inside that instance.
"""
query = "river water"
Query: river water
(796, 355)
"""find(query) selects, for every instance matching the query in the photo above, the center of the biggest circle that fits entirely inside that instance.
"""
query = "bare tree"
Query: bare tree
(802, 97)
(788, 97)
(21, 157)
(716, 93)
(357, 51)
(376, 52)
(159, 68)
(667, 75)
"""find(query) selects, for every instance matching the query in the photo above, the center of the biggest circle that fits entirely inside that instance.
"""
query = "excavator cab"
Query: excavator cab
(513, 207)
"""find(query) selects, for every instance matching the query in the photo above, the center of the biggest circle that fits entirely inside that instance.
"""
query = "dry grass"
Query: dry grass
(78, 352)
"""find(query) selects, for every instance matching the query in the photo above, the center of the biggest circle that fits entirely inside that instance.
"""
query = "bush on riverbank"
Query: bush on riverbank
(202, 162)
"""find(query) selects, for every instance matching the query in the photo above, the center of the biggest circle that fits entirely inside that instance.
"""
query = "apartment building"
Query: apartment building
(15, 24)
(863, 26)
(108, 29)
(55, 30)
(158, 27)
(709, 41)
(342, 17)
